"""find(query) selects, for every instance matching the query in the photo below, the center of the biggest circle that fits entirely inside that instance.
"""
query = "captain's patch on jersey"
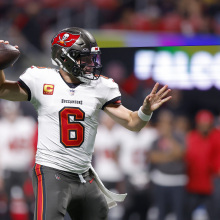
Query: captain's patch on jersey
(48, 89)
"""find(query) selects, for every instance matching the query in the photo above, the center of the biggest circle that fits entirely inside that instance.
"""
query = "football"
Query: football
(8, 55)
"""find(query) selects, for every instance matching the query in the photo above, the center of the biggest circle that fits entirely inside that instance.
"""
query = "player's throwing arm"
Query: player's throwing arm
(9, 90)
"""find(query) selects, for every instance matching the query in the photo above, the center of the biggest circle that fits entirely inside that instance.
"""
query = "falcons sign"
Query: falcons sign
(65, 39)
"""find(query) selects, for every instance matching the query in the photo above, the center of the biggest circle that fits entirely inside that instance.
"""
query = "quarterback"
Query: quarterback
(68, 101)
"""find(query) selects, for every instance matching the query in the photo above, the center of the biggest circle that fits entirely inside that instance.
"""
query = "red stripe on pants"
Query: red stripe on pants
(40, 198)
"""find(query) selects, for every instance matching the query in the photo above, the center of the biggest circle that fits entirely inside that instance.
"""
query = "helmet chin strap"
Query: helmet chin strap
(54, 62)
(77, 71)
(83, 79)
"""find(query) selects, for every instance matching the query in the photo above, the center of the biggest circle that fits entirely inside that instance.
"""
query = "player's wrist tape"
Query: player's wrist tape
(143, 116)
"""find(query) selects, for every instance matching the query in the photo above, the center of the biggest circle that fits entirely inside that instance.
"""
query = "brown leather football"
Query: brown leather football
(8, 55)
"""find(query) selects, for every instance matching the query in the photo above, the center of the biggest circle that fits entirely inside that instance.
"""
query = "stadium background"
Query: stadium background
(123, 29)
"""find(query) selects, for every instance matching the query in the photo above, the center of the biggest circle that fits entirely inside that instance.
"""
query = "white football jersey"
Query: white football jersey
(67, 116)
(134, 147)
(16, 143)
(106, 145)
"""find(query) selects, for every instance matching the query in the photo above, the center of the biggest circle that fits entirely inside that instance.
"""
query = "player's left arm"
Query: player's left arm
(131, 119)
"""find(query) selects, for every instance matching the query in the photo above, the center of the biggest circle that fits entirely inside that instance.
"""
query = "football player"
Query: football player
(17, 149)
(68, 101)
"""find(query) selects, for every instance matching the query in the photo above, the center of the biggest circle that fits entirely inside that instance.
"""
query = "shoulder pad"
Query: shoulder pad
(40, 67)
(37, 69)
(109, 82)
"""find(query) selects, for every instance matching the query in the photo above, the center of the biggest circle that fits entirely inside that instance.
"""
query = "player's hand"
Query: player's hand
(155, 99)
(7, 42)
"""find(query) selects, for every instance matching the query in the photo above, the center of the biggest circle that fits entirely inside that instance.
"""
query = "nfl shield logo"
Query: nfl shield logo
(72, 91)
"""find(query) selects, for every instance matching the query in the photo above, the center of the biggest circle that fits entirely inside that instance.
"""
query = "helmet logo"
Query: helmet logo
(65, 39)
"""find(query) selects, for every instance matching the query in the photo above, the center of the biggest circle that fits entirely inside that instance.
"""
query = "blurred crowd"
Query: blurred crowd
(17, 151)
(170, 169)
(34, 19)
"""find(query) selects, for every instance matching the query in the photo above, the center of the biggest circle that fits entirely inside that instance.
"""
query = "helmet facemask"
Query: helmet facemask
(84, 66)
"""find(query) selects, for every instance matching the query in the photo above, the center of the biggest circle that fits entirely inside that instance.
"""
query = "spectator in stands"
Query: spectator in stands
(168, 168)
(106, 157)
(182, 126)
(216, 182)
(177, 105)
(29, 23)
(34, 18)
(134, 148)
(202, 157)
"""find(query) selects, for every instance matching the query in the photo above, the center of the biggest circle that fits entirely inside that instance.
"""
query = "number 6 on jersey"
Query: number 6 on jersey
(71, 130)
